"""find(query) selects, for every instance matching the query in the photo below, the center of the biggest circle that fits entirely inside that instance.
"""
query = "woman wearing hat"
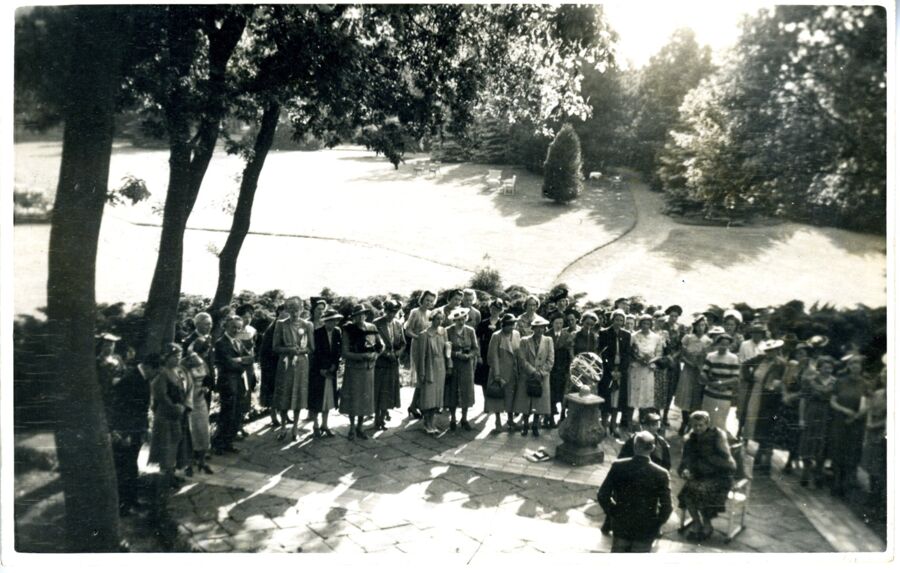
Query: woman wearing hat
(720, 374)
(326, 359)
(536, 360)
(646, 350)
(787, 429)
(663, 365)
(694, 348)
(387, 367)
(815, 418)
(292, 341)
(318, 306)
(483, 332)
(417, 323)
(360, 346)
(674, 332)
(503, 352)
(432, 351)
(764, 402)
(460, 389)
(563, 352)
(749, 355)
(170, 440)
(847, 425)
(110, 366)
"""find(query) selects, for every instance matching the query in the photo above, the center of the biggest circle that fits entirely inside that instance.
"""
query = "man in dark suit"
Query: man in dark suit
(636, 497)
(232, 357)
(127, 405)
(661, 454)
(615, 350)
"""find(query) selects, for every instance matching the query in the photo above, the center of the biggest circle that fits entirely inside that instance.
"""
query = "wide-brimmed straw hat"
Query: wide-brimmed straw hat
(507, 320)
(458, 313)
(331, 314)
(771, 344)
(733, 313)
(539, 320)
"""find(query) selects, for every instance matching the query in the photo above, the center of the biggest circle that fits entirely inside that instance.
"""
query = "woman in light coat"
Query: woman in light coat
(502, 357)
(536, 361)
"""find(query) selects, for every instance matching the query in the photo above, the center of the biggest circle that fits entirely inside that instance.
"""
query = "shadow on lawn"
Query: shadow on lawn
(686, 248)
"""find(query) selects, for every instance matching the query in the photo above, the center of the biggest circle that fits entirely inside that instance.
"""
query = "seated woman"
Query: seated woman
(707, 467)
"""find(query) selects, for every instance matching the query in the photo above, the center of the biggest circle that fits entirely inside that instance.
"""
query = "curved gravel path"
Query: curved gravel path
(667, 262)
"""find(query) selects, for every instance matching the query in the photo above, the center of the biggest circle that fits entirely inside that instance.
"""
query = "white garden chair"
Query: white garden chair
(508, 186)
(494, 178)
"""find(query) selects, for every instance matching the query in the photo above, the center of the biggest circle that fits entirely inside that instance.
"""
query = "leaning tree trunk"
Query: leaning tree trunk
(241, 221)
(188, 161)
(82, 439)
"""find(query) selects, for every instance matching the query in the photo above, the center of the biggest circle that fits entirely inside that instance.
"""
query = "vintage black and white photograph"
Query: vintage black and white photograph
(449, 282)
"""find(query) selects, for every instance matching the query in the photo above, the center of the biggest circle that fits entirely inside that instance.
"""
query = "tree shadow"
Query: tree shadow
(687, 248)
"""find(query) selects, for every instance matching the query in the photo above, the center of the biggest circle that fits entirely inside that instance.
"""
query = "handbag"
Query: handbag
(494, 389)
(534, 387)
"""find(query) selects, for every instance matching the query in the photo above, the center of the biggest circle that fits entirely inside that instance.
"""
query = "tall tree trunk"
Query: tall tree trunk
(240, 224)
(188, 161)
(82, 438)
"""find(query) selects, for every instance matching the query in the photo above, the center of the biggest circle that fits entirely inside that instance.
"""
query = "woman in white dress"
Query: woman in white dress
(417, 322)
(646, 349)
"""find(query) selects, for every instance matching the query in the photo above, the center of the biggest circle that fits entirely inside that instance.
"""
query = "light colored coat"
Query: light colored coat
(534, 358)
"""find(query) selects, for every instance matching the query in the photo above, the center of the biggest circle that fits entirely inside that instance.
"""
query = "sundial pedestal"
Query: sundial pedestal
(581, 431)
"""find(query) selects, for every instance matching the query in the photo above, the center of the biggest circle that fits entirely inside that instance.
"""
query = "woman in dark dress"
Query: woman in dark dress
(707, 467)
(815, 419)
(787, 429)
(847, 425)
(360, 347)
(387, 366)
(460, 389)
(326, 359)
(483, 332)
(268, 366)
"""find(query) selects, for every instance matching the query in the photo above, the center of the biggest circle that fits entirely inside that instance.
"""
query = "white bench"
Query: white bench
(494, 178)
(595, 175)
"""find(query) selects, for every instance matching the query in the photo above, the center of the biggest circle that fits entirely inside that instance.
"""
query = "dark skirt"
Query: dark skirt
(267, 382)
(814, 439)
(358, 390)
(387, 385)
(317, 392)
(705, 494)
(875, 453)
(787, 429)
(845, 443)
(459, 391)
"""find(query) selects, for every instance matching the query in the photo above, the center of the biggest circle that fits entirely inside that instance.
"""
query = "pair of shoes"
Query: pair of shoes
(452, 425)
(413, 413)
(317, 433)
(387, 417)
(465, 425)
(524, 430)
(327, 432)
(361, 435)
(206, 469)
(432, 431)
(534, 431)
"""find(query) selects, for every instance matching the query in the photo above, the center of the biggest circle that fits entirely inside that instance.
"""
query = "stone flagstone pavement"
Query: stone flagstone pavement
(468, 495)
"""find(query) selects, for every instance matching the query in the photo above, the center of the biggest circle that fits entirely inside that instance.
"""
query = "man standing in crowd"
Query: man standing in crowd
(636, 498)
(615, 350)
(231, 359)
(127, 405)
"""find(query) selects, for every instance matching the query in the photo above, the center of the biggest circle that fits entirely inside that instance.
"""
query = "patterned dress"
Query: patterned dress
(709, 459)
(816, 416)
(292, 375)
(431, 367)
(689, 397)
(641, 377)
(358, 390)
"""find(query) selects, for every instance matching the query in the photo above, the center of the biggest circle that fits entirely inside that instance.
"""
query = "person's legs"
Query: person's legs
(464, 422)
(453, 419)
(352, 433)
(295, 429)
(125, 481)
(525, 424)
(620, 545)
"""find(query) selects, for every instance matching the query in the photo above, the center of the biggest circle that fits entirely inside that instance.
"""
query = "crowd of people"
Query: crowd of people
(730, 380)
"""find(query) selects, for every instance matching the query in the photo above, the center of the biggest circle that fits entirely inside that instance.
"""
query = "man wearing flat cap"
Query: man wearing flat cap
(636, 498)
